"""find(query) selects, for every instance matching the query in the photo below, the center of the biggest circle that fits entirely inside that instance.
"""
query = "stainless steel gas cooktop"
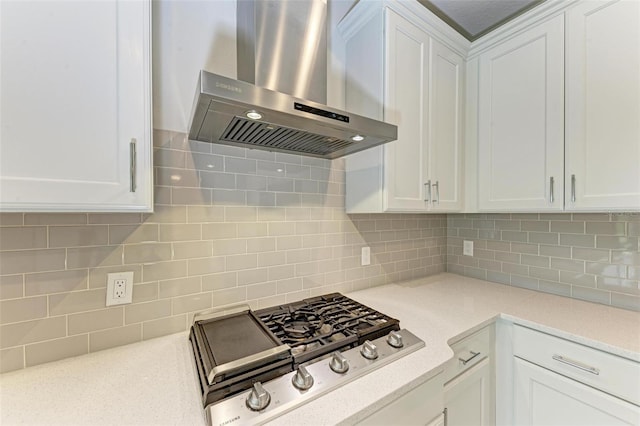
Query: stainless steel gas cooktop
(255, 365)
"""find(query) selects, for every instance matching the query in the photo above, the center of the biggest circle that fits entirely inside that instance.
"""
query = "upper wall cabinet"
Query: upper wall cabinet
(521, 121)
(75, 106)
(398, 72)
(603, 106)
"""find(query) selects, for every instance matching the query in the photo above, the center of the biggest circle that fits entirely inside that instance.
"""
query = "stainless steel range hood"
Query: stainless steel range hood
(278, 105)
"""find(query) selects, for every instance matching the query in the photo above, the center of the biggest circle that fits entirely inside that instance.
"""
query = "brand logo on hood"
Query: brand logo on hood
(228, 87)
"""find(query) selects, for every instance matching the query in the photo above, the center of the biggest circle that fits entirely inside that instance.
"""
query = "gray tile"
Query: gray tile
(617, 243)
(11, 219)
(484, 224)
(119, 234)
(17, 262)
(625, 257)
(567, 265)
(555, 251)
(508, 225)
(22, 333)
(634, 229)
(53, 350)
(217, 180)
(498, 277)
(555, 216)
(120, 336)
(618, 285)
(592, 216)
(594, 255)
(280, 184)
(20, 238)
(524, 248)
(539, 261)
(55, 218)
(259, 154)
(28, 308)
(11, 286)
(480, 274)
(515, 269)
(239, 165)
(191, 196)
(11, 359)
(514, 236)
(231, 151)
(543, 238)
(207, 162)
(625, 301)
(95, 320)
(606, 228)
(607, 270)
(298, 172)
(498, 246)
(222, 197)
(89, 257)
(577, 240)
(261, 198)
(164, 326)
(55, 282)
(524, 282)
(578, 278)
(555, 288)
(489, 234)
(544, 273)
(591, 294)
(177, 177)
(525, 216)
(567, 227)
(508, 257)
(536, 226)
(268, 168)
(251, 182)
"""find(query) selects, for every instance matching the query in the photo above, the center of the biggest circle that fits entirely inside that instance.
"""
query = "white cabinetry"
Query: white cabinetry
(469, 392)
(420, 406)
(603, 105)
(75, 106)
(558, 382)
(521, 121)
(415, 81)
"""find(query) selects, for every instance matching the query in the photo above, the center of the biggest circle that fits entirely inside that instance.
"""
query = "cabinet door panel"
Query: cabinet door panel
(603, 105)
(445, 123)
(521, 130)
(75, 92)
(406, 71)
(543, 397)
(468, 398)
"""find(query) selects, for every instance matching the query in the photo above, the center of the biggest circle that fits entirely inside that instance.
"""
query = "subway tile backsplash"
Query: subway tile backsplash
(588, 256)
(233, 225)
(230, 226)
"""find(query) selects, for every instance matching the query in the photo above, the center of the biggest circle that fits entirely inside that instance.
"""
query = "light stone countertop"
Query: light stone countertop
(153, 382)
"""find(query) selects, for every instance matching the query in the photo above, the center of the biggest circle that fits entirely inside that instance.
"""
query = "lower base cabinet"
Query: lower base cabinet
(421, 406)
(468, 397)
(543, 397)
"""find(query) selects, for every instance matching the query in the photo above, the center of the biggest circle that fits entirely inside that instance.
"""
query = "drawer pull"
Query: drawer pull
(576, 364)
(473, 355)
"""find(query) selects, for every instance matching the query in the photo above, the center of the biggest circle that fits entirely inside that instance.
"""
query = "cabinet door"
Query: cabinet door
(543, 397)
(521, 121)
(468, 398)
(445, 127)
(603, 105)
(406, 105)
(75, 92)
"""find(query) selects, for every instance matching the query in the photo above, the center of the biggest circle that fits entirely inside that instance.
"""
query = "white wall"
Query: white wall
(190, 35)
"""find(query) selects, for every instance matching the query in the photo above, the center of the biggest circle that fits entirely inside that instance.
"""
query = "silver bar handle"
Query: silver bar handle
(437, 186)
(551, 197)
(576, 364)
(573, 188)
(446, 416)
(132, 165)
(465, 361)
(427, 192)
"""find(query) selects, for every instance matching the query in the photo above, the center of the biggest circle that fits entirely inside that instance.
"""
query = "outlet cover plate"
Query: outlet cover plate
(365, 258)
(467, 248)
(119, 288)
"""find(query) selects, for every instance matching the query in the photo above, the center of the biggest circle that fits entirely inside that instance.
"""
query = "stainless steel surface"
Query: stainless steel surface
(573, 188)
(427, 192)
(395, 339)
(132, 165)
(219, 116)
(437, 186)
(464, 361)
(282, 46)
(302, 380)
(285, 397)
(258, 398)
(220, 312)
(445, 413)
(369, 350)
(577, 364)
(339, 363)
(254, 358)
(282, 61)
(551, 197)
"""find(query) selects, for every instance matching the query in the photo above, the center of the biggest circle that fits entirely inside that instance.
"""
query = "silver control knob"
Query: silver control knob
(258, 398)
(339, 363)
(302, 379)
(394, 339)
(369, 350)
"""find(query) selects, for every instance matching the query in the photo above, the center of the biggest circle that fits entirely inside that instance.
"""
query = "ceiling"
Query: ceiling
(475, 18)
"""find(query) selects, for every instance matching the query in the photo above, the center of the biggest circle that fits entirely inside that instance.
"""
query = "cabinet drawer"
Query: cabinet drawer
(468, 352)
(613, 374)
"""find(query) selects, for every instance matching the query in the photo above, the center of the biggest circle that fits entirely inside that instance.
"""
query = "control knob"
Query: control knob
(339, 363)
(302, 379)
(369, 350)
(258, 398)
(394, 339)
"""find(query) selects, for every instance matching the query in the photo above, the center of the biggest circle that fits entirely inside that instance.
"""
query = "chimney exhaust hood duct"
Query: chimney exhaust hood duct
(278, 103)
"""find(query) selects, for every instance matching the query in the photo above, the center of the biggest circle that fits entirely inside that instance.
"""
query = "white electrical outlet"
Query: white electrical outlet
(119, 288)
(467, 248)
(365, 258)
